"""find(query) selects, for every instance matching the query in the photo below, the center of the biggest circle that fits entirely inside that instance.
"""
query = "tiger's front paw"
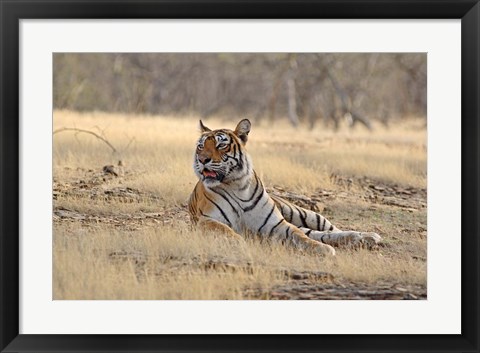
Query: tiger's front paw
(323, 249)
(369, 240)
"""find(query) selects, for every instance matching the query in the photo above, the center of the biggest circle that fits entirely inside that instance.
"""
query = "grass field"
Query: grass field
(129, 236)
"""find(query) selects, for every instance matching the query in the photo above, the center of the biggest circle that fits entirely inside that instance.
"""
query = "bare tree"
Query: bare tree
(307, 88)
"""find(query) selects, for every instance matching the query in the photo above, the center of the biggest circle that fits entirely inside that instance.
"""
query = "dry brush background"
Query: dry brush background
(129, 236)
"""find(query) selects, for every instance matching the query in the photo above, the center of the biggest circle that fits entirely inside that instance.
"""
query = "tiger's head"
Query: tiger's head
(220, 155)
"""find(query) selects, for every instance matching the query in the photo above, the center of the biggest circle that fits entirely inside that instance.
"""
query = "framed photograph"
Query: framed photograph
(230, 176)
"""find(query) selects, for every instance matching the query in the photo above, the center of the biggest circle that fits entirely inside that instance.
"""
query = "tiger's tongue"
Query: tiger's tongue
(209, 173)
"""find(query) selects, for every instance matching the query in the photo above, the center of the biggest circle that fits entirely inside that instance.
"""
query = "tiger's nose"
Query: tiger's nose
(204, 160)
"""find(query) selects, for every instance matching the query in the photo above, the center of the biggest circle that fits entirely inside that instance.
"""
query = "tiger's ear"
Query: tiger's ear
(242, 130)
(203, 128)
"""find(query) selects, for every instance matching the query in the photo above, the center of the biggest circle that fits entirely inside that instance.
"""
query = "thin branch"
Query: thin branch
(129, 143)
(86, 132)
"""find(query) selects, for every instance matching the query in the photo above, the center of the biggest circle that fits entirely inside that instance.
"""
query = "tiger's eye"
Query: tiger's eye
(222, 146)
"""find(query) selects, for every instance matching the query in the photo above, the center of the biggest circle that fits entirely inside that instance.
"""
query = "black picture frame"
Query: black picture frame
(11, 11)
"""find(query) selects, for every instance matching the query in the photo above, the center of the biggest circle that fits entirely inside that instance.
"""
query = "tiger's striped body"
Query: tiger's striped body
(229, 197)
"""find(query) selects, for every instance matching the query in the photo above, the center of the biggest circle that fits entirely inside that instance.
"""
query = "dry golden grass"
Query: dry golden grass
(113, 252)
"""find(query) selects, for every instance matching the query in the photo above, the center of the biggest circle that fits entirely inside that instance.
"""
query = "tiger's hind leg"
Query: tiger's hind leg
(344, 238)
(317, 227)
(288, 233)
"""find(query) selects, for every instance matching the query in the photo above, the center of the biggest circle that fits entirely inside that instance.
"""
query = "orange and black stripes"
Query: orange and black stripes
(301, 217)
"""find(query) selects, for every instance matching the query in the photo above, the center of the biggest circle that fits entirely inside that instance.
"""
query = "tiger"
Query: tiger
(230, 198)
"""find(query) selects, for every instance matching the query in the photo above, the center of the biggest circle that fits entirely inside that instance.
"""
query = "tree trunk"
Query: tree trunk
(292, 93)
(346, 102)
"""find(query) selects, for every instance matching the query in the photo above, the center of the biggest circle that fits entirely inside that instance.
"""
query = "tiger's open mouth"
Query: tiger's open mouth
(210, 174)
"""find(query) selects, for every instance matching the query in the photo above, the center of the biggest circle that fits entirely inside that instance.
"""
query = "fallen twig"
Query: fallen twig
(86, 132)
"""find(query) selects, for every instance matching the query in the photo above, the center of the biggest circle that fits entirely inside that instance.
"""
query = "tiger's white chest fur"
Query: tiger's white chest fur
(245, 210)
